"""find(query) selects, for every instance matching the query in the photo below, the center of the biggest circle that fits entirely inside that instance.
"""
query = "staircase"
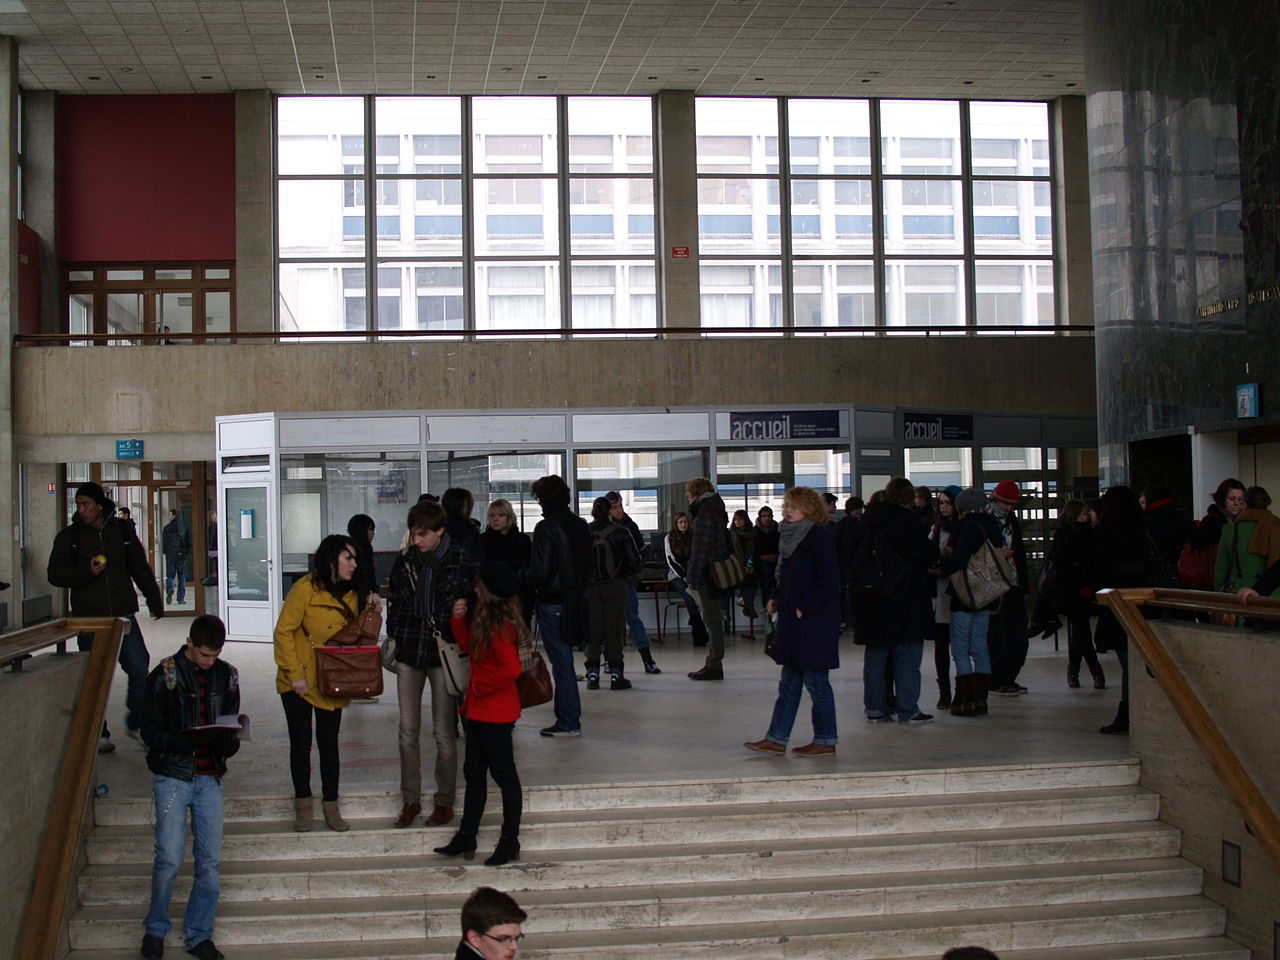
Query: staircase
(1062, 861)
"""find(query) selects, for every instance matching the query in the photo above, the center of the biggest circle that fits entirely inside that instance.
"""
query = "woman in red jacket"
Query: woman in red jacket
(491, 637)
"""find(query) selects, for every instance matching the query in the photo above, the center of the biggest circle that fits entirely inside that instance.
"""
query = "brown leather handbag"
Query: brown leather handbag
(350, 664)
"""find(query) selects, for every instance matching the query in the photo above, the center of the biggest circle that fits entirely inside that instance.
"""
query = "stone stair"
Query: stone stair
(1066, 861)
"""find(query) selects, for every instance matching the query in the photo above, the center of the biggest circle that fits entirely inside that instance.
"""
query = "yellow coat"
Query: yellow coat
(309, 617)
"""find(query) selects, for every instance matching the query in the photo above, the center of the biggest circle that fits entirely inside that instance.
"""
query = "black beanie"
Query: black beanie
(94, 492)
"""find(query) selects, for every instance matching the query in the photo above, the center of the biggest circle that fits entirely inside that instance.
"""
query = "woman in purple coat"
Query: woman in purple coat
(807, 603)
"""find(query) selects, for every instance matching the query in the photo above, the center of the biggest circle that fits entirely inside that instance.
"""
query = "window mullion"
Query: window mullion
(370, 222)
(878, 276)
(966, 218)
(785, 267)
(562, 213)
(467, 161)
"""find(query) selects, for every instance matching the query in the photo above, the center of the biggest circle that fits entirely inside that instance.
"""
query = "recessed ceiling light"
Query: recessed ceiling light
(542, 76)
(95, 78)
(759, 78)
(206, 77)
(431, 76)
(968, 83)
(1070, 84)
(318, 76)
(653, 78)
(866, 81)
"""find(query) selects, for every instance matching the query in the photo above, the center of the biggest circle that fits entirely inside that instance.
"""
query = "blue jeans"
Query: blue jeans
(135, 661)
(203, 796)
(568, 706)
(969, 641)
(906, 678)
(175, 570)
(639, 635)
(788, 703)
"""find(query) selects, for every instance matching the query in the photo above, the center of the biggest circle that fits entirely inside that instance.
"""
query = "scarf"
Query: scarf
(790, 535)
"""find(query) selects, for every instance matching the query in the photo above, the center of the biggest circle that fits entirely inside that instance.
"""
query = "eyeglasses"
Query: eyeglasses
(510, 938)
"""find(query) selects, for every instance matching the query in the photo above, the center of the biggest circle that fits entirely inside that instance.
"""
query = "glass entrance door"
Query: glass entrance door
(246, 578)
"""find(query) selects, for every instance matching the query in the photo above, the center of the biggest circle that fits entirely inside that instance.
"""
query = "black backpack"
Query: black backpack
(606, 564)
(876, 569)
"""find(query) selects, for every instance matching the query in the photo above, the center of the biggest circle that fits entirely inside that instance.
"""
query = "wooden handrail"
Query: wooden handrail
(43, 923)
(1127, 605)
(19, 644)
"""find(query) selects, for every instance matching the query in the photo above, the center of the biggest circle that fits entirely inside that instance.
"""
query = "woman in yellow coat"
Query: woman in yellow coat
(318, 606)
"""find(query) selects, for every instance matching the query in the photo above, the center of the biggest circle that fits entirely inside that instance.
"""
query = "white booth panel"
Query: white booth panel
(335, 432)
(607, 428)
(245, 434)
(460, 432)
(255, 623)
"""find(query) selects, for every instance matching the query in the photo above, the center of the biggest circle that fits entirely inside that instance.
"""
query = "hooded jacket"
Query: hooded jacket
(110, 593)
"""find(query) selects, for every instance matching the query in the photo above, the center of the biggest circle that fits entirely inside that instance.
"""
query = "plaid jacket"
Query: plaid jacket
(448, 574)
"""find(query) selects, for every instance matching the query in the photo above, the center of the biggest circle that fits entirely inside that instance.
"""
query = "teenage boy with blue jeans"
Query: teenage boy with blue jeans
(187, 691)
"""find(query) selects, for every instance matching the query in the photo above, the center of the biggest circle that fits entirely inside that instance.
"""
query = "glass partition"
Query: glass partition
(751, 479)
(245, 520)
(651, 482)
(490, 476)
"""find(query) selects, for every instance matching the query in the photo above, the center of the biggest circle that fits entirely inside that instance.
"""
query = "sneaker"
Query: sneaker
(878, 718)
(1008, 690)
(106, 745)
(619, 683)
(593, 680)
(917, 717)
(815, 750)
(152, 947)
(205, 950)
(765, 746)
(168, 598)
(557, 730)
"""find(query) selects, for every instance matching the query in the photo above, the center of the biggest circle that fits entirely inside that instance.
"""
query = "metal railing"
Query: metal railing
(1126, 605)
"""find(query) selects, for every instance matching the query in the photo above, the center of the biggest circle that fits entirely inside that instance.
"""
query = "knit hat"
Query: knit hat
(499, 578)
(94, 492)
(952, 491)
(971, 499)
(1007, 491)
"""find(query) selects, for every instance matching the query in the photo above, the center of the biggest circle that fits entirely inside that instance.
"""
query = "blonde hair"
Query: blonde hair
(503, 507)
(809, 502)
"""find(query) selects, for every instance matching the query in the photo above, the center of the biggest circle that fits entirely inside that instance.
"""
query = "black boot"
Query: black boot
(649, 666)
(982, 686)
(616, 680)
(508, 849)
(462, 843)
(1073, 676)
(944, 692)
(1121, 723)
(1099, 678)
(592, 671)
(964, 694)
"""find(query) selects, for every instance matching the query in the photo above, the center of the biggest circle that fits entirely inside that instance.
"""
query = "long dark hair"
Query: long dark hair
(326, 563)
(487, 613)
(944, 526)
(680, 538)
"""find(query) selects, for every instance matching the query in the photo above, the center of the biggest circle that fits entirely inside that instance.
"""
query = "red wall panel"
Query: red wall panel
(146, 178)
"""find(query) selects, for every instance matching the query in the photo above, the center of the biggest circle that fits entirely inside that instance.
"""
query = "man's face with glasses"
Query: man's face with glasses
(498, 943)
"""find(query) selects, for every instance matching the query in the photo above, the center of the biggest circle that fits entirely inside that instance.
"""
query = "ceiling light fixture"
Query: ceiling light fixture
(653, 78)
(126, 69)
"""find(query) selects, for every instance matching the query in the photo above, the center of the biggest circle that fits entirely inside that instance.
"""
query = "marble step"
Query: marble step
(656, 907)
(275, 840)
(783, 787)
(1058, 930)
(660, 864)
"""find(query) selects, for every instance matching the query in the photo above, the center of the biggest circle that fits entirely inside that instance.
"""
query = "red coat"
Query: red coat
(491, 694)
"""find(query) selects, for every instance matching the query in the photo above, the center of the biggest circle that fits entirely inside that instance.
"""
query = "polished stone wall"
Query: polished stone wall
(1183, 116)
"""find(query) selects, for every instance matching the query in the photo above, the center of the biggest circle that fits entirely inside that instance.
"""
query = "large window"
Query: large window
(168, 301)
(530, 214)
(900, 213)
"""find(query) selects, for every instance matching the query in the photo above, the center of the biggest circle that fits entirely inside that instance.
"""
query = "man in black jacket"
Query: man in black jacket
(100, 559)
(635, 625)
(558, 575)
(186, 695)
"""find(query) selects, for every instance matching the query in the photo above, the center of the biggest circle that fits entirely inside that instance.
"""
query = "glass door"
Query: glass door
(247, 585)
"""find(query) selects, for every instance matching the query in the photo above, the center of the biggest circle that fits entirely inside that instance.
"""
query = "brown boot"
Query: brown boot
(332, 818)
(303, 812)
(439, 816)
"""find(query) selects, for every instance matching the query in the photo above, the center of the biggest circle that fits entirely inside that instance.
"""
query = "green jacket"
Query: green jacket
(1236, 566)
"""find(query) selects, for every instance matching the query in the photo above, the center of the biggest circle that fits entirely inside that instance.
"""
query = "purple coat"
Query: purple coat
(809, 580)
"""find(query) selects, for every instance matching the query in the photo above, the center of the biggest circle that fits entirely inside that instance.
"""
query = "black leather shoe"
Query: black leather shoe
(707, 673)
(152, 947)
(508, 849)
(205, 950)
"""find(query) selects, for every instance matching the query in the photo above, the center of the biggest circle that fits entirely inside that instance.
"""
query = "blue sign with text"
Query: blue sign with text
(1247, 405)
(128, 449)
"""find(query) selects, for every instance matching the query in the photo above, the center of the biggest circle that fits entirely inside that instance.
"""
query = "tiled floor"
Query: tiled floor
(667, 727)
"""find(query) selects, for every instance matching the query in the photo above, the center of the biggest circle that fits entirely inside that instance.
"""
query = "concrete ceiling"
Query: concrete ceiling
(997, 49)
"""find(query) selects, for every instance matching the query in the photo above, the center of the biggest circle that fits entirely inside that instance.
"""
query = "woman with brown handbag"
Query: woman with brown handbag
(318, 606)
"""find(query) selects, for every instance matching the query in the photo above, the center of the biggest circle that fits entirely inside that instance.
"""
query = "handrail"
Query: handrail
(1126, 605)
(43, 924)
(21, 644)
(557, 333)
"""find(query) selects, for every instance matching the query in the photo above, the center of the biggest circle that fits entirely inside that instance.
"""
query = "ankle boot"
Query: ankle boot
(1121, 723)
(1099, 678)
(963, 695)
(649, 666)
(1073, 677)
(982, 682)
(332, 818)
(462, 843)
(616, 680)
(508, 849)
(944, 692)
(303, 811)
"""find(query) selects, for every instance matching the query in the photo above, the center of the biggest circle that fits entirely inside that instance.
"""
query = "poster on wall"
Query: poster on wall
(393, 486)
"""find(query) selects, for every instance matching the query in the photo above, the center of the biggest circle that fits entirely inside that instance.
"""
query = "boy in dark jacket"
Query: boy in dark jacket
(100, 559)
(185, 695)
